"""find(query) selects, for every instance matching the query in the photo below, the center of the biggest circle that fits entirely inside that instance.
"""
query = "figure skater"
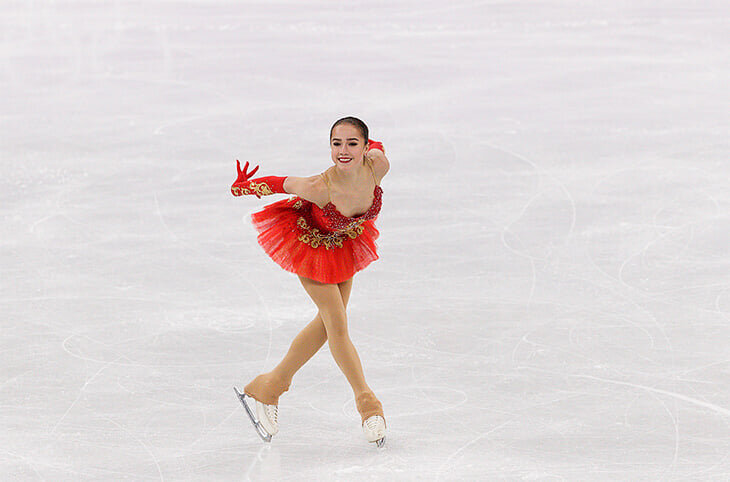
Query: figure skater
(325, 234)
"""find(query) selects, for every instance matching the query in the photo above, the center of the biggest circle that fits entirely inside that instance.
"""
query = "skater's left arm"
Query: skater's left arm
(261, 186)
(377, 157)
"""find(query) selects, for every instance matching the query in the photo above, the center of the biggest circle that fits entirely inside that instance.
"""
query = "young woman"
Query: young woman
(325, 234)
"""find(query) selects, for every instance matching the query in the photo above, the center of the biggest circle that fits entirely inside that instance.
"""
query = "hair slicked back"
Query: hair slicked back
(355, 122)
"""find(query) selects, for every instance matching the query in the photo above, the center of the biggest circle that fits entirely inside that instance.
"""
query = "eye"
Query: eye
(353, 143)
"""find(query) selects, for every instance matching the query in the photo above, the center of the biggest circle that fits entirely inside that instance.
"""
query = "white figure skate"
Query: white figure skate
(374, 428)
(266, 420)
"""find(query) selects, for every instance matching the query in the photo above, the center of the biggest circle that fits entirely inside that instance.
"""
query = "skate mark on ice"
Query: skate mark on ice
(541, 172)
(635, 303)
(710, 406)
(95, 298)
(387, 341)
(24, 459)
(661, 231)
(205, 434)
(131, 363)
(675, 423)
(144, 445)
(19, 375)
(472, 441)
(533, 268)
(250, 283)
(701, 367)
(551, 347)
(425, 396)
(82, 389)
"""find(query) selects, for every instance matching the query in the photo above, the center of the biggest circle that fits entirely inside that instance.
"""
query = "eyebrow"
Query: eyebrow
(349, 139)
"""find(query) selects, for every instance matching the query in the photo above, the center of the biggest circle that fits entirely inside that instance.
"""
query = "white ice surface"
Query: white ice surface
(552, 300)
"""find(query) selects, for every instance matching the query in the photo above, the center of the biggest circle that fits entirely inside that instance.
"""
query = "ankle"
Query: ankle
(266, 388)
(368, 405)
(362, 391)
(281, 376)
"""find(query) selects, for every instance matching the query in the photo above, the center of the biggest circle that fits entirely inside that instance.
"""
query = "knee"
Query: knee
(335, 326)
(319, 319)
(337, 333)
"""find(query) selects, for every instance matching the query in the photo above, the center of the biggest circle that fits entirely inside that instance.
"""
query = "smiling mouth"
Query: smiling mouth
(344, 159)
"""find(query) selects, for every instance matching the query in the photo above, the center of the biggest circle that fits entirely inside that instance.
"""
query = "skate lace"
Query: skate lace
(374, 423)
(272, 411)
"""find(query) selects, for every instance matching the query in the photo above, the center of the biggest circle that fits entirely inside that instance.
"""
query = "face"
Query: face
(348, 147)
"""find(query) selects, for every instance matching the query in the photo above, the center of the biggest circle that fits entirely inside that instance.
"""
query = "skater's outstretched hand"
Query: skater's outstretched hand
(262, 186)
(244, 176)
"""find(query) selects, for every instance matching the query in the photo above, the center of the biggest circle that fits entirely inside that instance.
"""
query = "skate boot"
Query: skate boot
(264, 392)
(373, 420)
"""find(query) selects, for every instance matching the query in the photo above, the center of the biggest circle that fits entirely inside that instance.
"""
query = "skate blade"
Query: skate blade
(265, 436)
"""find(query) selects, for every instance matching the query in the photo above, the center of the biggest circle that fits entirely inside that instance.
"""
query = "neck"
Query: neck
(351, 177)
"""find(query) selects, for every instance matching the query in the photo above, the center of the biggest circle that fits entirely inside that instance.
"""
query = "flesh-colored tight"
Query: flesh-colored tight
(329, 325)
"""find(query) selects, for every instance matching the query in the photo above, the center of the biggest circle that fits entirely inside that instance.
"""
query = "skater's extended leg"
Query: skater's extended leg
(267, 387)
(328, 299)
(309, 340)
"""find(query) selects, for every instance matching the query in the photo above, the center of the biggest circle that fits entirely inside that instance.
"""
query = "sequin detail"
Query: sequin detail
(330, 240)
(256, 188)
(340, 222)
(298, 248)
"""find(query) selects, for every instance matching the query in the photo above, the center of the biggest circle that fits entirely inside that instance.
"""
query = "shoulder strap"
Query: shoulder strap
(372, 169)
(327, 182)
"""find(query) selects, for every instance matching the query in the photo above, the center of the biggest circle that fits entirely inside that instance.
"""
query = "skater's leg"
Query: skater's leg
(267, 387)
(309, 340)
(303, 347)
(328, 299)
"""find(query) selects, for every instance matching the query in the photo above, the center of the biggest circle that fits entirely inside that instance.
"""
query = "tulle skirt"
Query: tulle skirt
(291, 237)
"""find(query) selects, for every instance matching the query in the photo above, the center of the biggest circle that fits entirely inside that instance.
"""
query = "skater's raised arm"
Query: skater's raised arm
(376, 155)
(261, 186)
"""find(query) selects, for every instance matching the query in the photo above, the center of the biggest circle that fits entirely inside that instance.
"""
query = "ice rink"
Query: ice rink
(552, 298)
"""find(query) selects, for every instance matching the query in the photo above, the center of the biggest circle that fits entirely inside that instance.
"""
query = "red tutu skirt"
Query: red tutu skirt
(292, 237)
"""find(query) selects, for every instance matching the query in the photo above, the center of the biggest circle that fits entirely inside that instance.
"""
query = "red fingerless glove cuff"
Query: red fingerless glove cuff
(261, 186)
(375, 145)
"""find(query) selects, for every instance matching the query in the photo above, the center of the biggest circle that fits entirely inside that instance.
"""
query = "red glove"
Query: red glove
(375, 145)
(261, 186)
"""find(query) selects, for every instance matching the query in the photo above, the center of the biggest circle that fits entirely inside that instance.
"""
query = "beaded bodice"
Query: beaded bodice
(331, 219)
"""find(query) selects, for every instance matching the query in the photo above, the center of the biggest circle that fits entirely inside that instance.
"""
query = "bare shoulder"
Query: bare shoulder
(381, 165)
(311, 188)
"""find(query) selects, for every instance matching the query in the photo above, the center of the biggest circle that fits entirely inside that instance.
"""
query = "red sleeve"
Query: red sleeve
(261, 186)
(375, 145)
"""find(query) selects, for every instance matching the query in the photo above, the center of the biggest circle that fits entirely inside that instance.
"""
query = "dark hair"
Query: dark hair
(355, 122)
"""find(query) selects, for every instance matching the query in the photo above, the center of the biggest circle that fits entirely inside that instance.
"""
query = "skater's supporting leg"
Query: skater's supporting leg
(332, 310)
(309, 340)
(267, 387)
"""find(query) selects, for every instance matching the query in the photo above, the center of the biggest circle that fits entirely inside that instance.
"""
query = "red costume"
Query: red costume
(317, 243)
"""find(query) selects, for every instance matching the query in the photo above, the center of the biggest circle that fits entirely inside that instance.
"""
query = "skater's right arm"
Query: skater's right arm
(307, 188)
